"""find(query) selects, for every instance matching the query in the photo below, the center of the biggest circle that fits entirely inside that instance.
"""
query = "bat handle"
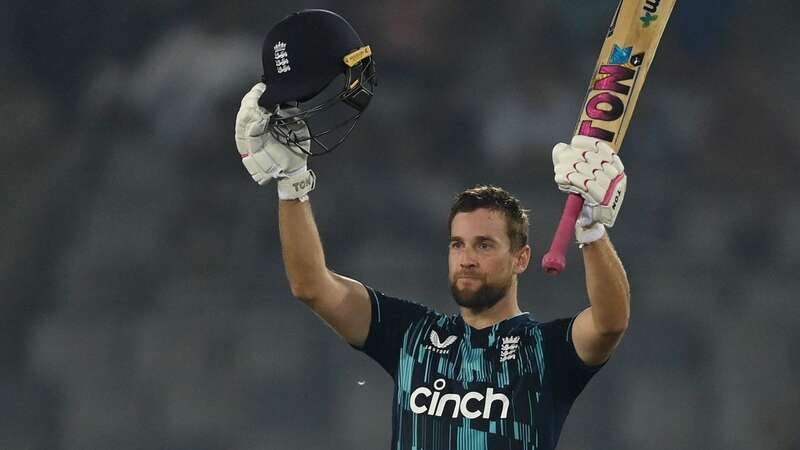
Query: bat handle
(556, 258)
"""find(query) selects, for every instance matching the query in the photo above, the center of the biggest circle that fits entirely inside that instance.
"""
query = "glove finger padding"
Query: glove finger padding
(566, 185)
(288, 156)
(256, 172)
(249, 110)
(254, 138)
(596, 190)
(264, 155)
(244, 119)
(251, 123)
(563, 162)
(577, 183)
(590, 168)
(250, 100)
(593, 144)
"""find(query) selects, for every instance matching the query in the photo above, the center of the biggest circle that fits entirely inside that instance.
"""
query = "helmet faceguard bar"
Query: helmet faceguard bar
(359, 85)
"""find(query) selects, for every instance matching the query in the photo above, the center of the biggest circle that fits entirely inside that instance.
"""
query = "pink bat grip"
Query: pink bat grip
(556, 258)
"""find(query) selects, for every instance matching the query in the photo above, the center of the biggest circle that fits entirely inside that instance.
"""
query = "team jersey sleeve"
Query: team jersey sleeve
(391, 319)
(567, 372)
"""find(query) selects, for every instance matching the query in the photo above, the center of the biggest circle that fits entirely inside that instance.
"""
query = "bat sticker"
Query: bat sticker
(650, 10)
(647, 19)
(620, 55)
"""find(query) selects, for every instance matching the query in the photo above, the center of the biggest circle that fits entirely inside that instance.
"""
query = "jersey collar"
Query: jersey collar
(486, 336)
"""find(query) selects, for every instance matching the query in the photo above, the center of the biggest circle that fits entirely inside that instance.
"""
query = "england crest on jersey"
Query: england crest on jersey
(508, 348)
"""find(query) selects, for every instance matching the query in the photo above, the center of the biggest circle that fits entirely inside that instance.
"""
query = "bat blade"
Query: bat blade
(614, 89)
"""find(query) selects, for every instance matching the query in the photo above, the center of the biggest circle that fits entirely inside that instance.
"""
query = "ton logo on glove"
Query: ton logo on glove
(274, 133)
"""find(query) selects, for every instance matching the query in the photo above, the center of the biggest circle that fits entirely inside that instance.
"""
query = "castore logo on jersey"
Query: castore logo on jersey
(437, 345)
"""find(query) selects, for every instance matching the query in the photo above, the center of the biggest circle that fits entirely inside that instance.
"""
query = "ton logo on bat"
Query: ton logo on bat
(604, 105)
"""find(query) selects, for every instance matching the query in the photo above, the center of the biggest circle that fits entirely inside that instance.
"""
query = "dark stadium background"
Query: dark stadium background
(144, 303)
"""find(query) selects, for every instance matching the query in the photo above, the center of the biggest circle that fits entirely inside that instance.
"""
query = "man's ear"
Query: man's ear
(523, 257)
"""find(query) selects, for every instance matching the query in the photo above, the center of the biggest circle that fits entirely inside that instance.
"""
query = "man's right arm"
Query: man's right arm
(340, 301)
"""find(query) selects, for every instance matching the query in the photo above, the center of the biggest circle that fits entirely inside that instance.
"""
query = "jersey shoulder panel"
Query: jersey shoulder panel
(393, 319)
(566, 372)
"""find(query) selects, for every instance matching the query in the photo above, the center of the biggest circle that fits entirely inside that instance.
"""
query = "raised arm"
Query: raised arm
(341, 302)
(588, 167)
(598, 329)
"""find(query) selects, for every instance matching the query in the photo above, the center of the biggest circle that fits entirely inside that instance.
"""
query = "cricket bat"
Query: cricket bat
(617, 80)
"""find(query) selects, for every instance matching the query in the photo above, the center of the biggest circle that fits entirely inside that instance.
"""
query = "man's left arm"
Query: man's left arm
(599, 328)
(590, 168)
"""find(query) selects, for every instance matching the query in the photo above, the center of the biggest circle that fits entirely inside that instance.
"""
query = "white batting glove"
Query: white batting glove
(264, 157)
(590, 168)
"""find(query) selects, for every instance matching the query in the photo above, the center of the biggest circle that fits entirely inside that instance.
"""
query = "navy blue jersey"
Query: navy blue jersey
(505, 387)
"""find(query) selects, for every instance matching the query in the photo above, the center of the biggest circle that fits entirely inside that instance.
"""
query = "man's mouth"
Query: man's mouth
(468, 274)
(468, 277)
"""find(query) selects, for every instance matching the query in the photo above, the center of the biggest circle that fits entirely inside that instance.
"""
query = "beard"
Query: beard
(481, 299)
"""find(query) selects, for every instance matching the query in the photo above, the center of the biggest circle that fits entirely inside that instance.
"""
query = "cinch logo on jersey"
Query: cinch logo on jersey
(437, 345)
(281, 58)
(470, 405)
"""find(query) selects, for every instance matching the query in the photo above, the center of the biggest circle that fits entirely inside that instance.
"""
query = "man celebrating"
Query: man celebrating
(490, 377)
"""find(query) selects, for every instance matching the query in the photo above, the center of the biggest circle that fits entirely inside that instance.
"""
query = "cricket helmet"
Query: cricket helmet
(303, 55)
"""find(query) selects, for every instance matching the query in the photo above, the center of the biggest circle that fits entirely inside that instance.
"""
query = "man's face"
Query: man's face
(482, 263)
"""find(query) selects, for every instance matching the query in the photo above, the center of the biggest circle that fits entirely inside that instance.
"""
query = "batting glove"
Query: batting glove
(590, 168)
(264, 157)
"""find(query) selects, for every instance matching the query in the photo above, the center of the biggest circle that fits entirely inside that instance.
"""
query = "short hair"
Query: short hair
(495, 199)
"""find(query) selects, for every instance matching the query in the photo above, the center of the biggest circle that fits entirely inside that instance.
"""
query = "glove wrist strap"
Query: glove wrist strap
(590, 234)
(297, 186)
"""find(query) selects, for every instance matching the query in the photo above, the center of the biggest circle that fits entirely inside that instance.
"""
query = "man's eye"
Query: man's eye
(485, 245)
(456, 244)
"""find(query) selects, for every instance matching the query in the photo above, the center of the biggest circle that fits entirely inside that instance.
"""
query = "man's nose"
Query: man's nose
(468, 259)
